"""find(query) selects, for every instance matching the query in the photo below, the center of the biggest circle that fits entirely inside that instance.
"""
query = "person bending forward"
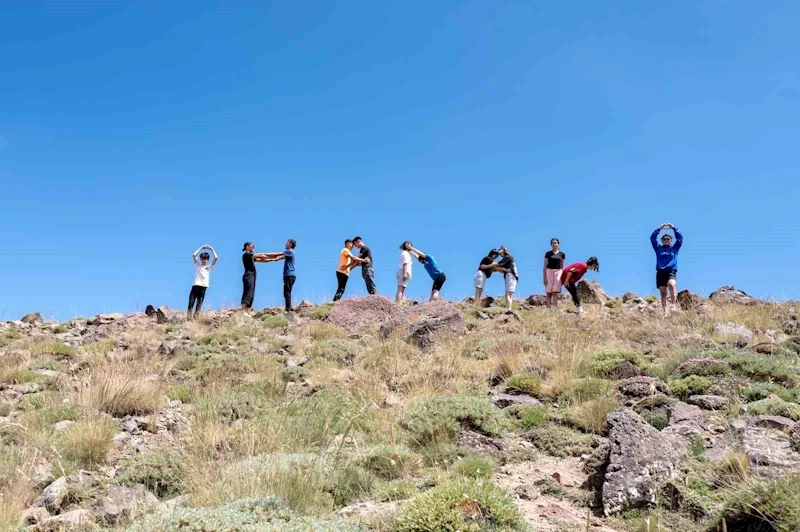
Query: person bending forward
(433, 269)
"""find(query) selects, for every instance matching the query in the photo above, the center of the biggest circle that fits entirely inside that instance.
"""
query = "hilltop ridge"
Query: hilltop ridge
(366, 415)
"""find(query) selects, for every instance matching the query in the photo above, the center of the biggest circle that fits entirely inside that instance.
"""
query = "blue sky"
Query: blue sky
(131, 133)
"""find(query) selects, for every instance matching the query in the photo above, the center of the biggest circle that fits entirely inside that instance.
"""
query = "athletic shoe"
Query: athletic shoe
(580, 311)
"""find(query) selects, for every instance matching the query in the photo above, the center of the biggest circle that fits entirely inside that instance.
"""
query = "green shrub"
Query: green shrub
(394, 490)
(245, 515)
(760, 367)
(527, 416)
(274, 322)
(688, 386)
(586, 389)
(524, 383)
(53, 349)
(179, 392)
(325, 331)
(658, 420)
(5, 409)
(162, 473)
(438, 419)
(614, 304)
(293, 374)
(774, 407)
(559, 441)
(763, 505)
(601, 363)
(650, 299)
(7, 336)
(229, 406)
(474, 466)
(762, 390)
(390, 462)
(51, 365)
(348, 483)
(336, 349)
(320, 312)
(461, 505)
(479, 350)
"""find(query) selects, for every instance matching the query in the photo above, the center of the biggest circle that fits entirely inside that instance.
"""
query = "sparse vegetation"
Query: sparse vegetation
(688, 386)
(437, 419)
(527, 383)
(162, 473)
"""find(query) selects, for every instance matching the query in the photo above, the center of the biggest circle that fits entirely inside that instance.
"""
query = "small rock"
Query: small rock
(766, 348)
(478, 442)
(684, 419)
(164, 314)
(62, 425)
(121, 505)
(704, 367)
(369, 510)
(709, 402)
(625, 370)
(688, 300)
(34, 516)
(527, 493)
(74, 518)
(297, 361)
(642, 386)
(122, 438)
(505, 400)
(170, 349)
(733, 331)
(392, 399)
(49, 373)
(130, 425)
(150, 311)
(483, 315)
(26, 388)
(627, 297)
(53, 496)
(32, 318)
(537, 300)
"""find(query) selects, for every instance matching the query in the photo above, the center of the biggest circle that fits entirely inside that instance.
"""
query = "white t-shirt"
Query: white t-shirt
(405, 258)
(201, 274)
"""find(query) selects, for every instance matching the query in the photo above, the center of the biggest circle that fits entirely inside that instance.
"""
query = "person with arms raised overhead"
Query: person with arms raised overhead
(667, 265)
(367, 269)
(289, 274)
(403, 271)
(433, 269)
(553, 267)
(485, 269)
(346, 262)
(573, 273)
(508, 266)
(202, 272)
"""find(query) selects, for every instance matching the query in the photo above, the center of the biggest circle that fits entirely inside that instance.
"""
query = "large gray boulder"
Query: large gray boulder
(423, 324)
(592, 293)
(766, 440)
(121, 505)
(54, 496)
(352, 314)
(729, 294)
(32, 318)
(641, 459)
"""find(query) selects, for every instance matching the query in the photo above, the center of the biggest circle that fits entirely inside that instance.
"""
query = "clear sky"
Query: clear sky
(133, 132)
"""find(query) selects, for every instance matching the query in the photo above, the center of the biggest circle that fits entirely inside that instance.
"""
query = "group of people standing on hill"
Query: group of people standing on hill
(555, 273)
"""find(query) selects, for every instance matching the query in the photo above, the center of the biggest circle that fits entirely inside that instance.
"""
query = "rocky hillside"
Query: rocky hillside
(365, 415)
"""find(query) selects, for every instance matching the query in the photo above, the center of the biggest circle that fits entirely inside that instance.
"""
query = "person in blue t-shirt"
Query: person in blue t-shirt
(433, 269)
(289, 276)
(667, 265)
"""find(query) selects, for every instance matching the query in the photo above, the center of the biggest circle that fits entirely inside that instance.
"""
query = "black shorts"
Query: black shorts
(664, 276)
(439, 281)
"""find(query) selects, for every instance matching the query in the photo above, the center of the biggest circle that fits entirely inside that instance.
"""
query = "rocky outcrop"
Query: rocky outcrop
(629, 297)
(641, 458)
(422, 324)
(684, 419)
(537, 300)
(709, 402)
(688, 300)
(121, 505)
(735, 333)
(32, 318)
(354, 313)
(642, 386)
(728, 294)
(766, 440)
(504, 400)
(592, 293)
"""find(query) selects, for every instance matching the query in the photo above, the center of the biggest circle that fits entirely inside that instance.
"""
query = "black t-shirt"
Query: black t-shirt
(508, 263)
(555, 260)
(247, 260)
(365, 253)
(484, 261)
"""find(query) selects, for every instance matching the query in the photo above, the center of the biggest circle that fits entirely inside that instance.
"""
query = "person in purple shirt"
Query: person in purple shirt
(667, 265)
(433, 269)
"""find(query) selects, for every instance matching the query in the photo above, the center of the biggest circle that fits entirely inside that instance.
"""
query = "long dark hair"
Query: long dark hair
(593, 262)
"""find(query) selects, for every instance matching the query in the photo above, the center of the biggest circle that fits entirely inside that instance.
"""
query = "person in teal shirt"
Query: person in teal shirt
(433, 269)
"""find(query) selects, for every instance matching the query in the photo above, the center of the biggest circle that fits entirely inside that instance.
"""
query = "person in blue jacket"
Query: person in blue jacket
(433, 269)
(667, 265)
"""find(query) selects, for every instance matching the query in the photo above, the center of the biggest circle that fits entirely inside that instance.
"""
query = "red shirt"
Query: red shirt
(580, 269)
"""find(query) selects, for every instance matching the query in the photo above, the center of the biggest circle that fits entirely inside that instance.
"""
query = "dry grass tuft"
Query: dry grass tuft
(122, 391)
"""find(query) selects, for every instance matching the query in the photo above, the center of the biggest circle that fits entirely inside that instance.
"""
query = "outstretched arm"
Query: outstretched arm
(197, 252)
(216, 257)
(678, 239)
(417, 253)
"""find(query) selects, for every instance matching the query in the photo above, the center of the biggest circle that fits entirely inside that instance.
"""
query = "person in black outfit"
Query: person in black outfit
(249, 258)
(367, 269)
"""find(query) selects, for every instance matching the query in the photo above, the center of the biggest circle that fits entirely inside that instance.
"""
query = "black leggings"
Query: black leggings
(248, 289)
(197, 295)
(572, 288)
(288, 283)
(341, 278)
(438, 282)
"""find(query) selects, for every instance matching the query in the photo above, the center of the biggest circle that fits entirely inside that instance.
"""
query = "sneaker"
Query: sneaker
(580, 311)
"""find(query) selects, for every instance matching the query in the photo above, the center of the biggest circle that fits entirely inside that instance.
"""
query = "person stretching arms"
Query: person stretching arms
(202, 272)
(433, 269)
(573, 273)
(667, 265)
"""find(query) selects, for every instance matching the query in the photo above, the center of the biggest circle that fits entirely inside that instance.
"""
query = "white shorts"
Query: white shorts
(480, 279)
(511, 283)
(400, 281)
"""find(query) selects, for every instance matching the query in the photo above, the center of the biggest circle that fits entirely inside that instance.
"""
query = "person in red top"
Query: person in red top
(573, 273)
